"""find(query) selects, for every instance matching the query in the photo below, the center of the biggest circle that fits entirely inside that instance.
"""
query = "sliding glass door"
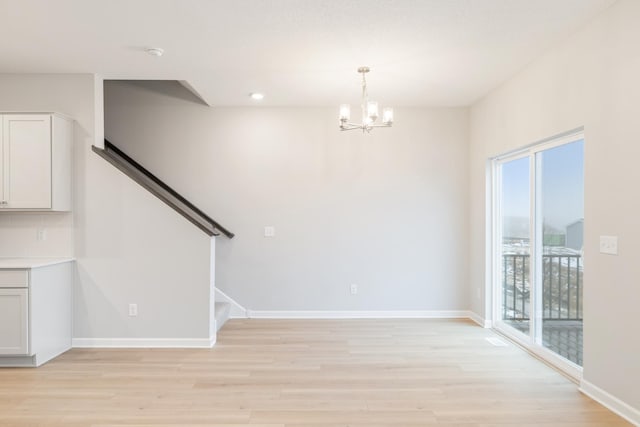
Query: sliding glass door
(538, 268)
(561, 206)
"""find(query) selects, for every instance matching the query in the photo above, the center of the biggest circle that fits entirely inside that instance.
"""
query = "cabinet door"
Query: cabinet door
(3, 201)
(14, 321)
(27, 161)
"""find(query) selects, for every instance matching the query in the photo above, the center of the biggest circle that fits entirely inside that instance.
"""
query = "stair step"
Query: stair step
(222, 310)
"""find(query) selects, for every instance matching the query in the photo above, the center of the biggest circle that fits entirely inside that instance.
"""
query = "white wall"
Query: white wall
(387, 211)
(130, 247)
(590, 80)
(18, 234)
(41, 93)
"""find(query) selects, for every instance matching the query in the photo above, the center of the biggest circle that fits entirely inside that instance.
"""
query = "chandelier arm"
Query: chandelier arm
(353, 124)
(350, 126)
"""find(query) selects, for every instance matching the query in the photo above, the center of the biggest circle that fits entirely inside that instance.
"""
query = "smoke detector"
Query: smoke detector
(154, 51)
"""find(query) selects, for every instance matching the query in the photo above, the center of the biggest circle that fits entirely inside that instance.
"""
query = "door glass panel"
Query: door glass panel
(561, 203)
(515, 256)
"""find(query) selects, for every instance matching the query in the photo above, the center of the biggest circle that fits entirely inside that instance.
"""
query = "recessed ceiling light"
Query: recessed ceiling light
(257, 96)
(154, 51)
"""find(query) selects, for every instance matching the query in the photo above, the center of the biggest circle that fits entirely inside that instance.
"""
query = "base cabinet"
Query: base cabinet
(14, 321)
(35, 314)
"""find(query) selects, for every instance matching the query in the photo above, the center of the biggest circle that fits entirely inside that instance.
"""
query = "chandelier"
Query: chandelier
(369, 111)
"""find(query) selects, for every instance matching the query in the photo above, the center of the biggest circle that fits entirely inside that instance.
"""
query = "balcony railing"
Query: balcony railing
(561, 284)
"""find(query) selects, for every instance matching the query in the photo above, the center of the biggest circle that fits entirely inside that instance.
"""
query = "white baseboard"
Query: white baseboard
(621, 408)
(240, 312)
(144, 342)
(479, 320)
(272, 314)
(365, 314)
(236, 310)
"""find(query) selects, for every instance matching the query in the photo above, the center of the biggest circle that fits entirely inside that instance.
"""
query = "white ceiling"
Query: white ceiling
(298, 52)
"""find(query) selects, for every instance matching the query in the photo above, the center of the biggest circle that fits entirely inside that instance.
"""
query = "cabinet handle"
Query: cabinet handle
(3, 203)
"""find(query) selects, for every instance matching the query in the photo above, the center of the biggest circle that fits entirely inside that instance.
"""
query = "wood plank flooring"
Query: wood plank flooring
(304, 373)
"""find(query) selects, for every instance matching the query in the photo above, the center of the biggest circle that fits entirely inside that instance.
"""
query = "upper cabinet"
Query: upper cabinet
(35, 162)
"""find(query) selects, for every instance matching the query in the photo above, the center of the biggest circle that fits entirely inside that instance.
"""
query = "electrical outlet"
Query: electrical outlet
(133, 310)
(609, 245)
(41, 234)
(269, 231)
(354, 289)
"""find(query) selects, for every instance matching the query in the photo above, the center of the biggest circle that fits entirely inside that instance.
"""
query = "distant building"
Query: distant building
(574, 239)
(553, 239)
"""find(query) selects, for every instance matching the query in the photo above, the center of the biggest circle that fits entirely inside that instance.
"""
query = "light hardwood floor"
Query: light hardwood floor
(298, 373)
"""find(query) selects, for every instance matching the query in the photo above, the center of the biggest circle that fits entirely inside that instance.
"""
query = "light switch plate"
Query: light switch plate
(609, 245)
(269, 231)
(133, 310)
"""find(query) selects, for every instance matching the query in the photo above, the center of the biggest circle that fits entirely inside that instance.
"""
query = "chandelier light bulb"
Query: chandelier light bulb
(345, 112)
(387, 116)
(372, 110)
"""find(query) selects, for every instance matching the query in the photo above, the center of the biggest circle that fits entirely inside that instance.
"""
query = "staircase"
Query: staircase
(222, 312)
(173, 199)
(158, 188)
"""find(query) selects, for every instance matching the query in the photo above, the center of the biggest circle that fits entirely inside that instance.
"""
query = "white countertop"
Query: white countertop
(31, 262)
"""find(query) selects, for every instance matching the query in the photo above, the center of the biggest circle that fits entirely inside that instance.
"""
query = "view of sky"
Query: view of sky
(562, 201)
(563, 184)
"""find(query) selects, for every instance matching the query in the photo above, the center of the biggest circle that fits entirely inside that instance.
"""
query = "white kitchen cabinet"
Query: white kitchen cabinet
(35, 162)
(35, 310)
(14, 318)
